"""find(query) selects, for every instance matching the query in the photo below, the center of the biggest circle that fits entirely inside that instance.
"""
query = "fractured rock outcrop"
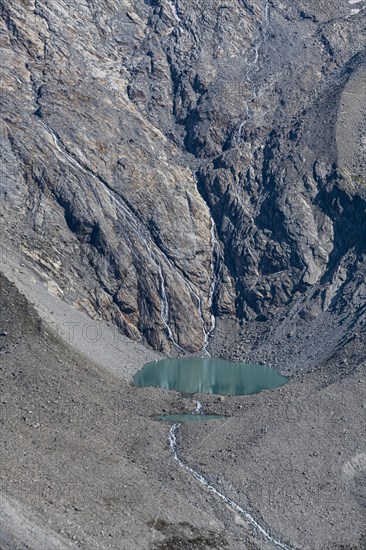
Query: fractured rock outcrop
(169, 163)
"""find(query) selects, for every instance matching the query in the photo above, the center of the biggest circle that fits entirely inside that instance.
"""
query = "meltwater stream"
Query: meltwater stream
(252, 68)
(215, 270)
(233, 505)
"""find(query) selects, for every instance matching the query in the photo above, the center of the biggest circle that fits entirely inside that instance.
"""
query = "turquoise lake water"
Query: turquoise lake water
(208, 375)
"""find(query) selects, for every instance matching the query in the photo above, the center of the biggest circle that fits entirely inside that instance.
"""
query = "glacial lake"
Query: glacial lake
(208, 375)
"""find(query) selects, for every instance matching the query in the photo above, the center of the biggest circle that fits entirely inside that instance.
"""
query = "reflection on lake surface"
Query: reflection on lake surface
(208, 375)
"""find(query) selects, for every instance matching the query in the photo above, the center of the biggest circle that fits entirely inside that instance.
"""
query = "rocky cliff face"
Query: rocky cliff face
(169, 164)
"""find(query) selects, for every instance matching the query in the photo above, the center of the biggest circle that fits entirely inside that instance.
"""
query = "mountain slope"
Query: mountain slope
(170, 164)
